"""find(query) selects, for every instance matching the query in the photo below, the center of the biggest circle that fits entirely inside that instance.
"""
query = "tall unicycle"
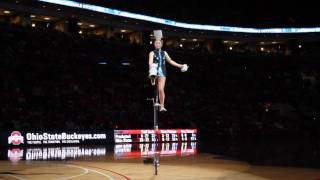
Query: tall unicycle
(155, 101)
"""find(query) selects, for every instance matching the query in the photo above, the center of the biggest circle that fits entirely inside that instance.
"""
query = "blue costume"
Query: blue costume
(160, 58)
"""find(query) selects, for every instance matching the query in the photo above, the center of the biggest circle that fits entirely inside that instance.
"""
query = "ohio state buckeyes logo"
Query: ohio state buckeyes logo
(15, 138)
(15, 154)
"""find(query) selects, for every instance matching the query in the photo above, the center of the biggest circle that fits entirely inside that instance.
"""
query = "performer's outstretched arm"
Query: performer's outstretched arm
(172, 62)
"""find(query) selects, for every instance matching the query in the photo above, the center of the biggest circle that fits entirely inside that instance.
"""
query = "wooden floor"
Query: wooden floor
(203, 166)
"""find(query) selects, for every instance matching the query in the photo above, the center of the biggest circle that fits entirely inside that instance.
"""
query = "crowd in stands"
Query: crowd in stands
(50, 80)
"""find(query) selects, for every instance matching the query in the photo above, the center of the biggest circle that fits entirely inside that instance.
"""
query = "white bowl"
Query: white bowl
(184, 68)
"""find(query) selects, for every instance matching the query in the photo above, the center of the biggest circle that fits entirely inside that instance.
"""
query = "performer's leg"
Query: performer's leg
(161, 85)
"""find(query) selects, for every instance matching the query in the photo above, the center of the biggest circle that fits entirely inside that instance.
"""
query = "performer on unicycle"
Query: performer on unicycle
(159, 57)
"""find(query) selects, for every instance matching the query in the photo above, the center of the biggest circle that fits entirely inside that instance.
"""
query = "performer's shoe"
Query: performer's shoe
(162, 109)
(157, 104)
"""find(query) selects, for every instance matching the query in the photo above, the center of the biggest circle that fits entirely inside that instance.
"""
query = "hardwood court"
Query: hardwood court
(202, 166)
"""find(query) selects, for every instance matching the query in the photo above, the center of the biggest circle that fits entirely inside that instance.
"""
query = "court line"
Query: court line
(85, 171)
(16, 177)
(102, 174)
(110, 171)
(105, 175)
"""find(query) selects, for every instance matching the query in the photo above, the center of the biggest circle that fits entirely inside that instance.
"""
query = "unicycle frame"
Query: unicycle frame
(155, 101)
(155, 105)
(156, 163)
